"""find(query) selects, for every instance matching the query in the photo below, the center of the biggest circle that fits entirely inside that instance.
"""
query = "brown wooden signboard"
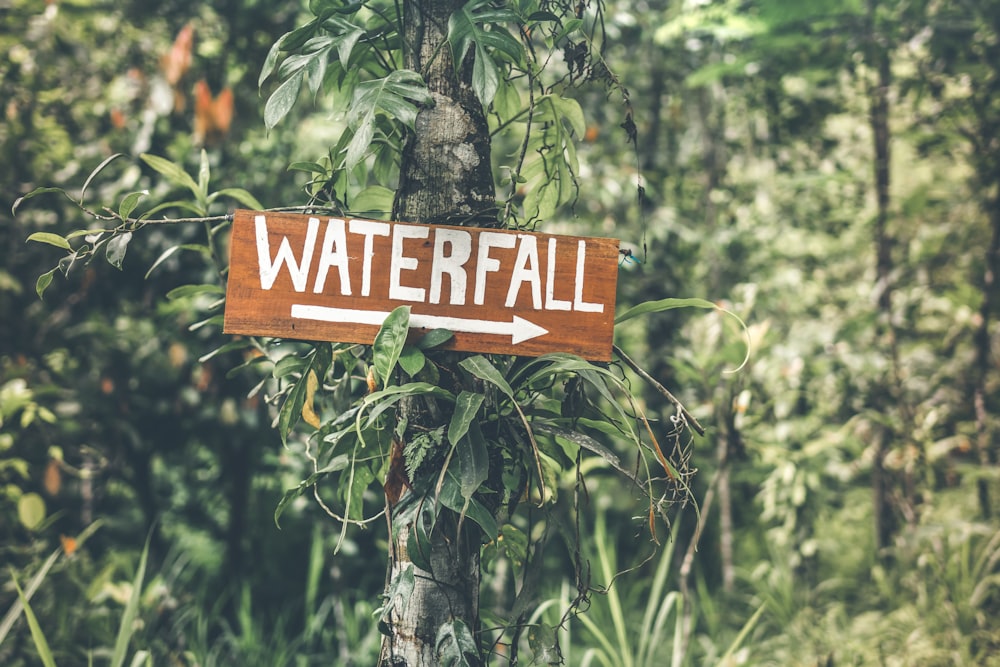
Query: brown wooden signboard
(316, 277)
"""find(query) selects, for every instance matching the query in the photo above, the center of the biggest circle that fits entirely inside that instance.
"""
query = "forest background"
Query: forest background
(829, 171)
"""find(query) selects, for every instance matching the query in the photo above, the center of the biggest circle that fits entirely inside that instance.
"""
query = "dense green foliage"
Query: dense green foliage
(847, 480)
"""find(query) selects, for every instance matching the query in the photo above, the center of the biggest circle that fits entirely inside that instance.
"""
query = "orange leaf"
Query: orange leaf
(117, 119)
(68, 544)
(53, 478)
(309, 415)
(176, 62)
(396, 479)
(212, 117)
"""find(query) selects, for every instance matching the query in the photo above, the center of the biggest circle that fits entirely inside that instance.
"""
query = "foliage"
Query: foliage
(747, 127)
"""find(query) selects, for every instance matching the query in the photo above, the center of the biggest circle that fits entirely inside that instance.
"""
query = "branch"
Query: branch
(228, 217)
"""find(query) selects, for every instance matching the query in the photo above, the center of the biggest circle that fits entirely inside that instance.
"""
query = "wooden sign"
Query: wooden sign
(499, 291)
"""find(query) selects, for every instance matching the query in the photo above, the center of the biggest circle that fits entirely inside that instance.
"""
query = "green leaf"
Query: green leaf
(551, 164)
(288, 365)
(294, 40)
(394, 95)
(742, 635)
(240, 195)
(386, 398)
(44, 281)
(418, 541)
(389, 342)
(544, 645)
(37, 636)
(473, 461)
(466, 30)
(360, 141)
(480, 367)
(375, 200)
(30, 510)
(569, 111)
(354, 505)
(129, 202)
(309, 167)
(452, 498)
(291, 409)
(434, 338)
(385, 167)
(662, 305)
(238, 344)
(408, 389)
(98, 169)
(171, 171)
(204, 250)
(269, 62)
(467, 405)
(396, 599)
(336, 464)
(572, 25)
(669, 304)
(283, 99)
(468, 26)
(115, 252)
(316, 66)
(51, 239)
(127, 625)
(185, 291)
(215, 320)
(15, 609)
(454, 643)
(584, 441)
(204, 176)
(412, 360)
(34, 193)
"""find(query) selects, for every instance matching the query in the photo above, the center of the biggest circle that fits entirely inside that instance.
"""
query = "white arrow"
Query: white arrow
(519, 329)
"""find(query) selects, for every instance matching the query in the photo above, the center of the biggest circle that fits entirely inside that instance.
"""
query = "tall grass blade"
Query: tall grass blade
(677, 650)
(747, 627)
(36, 630)
(313, 574)
(608, 570)
(142, 658)
(15, 609)
(127, 627)
(657, 610)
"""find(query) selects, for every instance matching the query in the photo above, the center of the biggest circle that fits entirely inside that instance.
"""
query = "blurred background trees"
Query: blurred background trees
(830, 171)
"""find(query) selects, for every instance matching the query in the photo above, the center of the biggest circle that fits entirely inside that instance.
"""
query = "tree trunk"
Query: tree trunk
(984, 431)
(446, 174)
(445, 177)
(878, 98)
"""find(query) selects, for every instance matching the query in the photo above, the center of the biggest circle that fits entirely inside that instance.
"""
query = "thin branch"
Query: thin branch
(138, 223)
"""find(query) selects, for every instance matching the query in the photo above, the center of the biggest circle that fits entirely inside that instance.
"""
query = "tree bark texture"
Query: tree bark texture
(445, 178)
(878, 98)
(446, 175)
(983, 341)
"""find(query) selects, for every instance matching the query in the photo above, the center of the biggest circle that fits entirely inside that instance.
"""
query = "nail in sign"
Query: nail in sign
(335, 278)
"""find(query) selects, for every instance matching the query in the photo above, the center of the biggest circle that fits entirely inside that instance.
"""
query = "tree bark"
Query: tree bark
(878, 98)
(445, 177)
(983, 345)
